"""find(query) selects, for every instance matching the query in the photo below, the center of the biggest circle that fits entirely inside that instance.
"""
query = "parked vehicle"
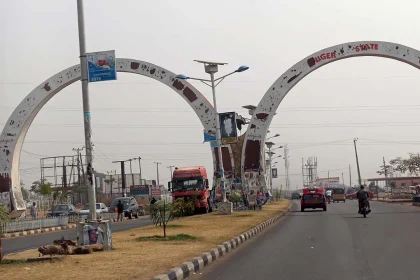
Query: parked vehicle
(313, 198)
(131, 207)
(192, 183)
(62, 210)
(296, 195)
(100, 208)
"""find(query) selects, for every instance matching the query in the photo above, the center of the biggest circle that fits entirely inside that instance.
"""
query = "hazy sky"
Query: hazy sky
(374, 99)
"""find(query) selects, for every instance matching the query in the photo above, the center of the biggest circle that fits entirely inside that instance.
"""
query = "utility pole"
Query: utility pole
(386, 177)
(350, 175)
(111, 180)
(157, 173)
(328, 179)
(357, 161)
(342, 178)
(86, 111)
(140, 170)
(131, 171)
(286, 166)
(78, 164)
(170, 168)
(123, 183)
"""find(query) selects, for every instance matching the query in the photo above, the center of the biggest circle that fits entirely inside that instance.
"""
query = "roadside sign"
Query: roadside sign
(101, 66)
(228, 128)
(274, 172)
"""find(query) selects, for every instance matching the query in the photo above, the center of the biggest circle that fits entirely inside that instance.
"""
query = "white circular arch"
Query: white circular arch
(14, 132)
(253, 148)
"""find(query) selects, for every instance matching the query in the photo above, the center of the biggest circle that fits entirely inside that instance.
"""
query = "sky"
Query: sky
(371, 98)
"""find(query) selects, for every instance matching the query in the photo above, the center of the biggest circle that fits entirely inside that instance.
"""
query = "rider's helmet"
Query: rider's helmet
(362, 187)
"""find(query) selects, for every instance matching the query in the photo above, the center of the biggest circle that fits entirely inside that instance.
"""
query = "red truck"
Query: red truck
(192, 183)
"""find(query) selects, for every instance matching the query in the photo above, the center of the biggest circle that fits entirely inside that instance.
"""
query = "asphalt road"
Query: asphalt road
(337, 244)
(17, 244)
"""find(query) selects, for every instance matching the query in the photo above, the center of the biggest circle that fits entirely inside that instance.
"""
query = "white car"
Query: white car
(100, 208)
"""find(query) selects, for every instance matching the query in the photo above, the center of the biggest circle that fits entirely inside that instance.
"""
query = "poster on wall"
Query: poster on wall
(228, 130)
(93, 235)
(101, 66)
(209, 136)
(274, 172)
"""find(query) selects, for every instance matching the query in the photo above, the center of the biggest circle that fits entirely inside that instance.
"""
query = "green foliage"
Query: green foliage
(178, 237)
(4, 216)
(42, 187)
(183, 208)
(235, 197)
(162, 212)
(410, 165)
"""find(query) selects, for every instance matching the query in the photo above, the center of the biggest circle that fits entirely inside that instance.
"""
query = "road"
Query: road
(337, 244)
(17, 244)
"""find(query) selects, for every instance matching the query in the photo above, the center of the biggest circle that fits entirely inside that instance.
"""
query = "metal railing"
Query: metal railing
(82, 217)
(31, 224)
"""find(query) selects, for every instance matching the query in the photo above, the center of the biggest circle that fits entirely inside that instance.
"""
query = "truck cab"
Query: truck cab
(191, 183)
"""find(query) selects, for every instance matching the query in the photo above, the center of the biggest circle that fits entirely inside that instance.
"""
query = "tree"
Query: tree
(42, 187)
(181, 208)
(4, 217)
(399, 165)
(235, 197)
(162, 212)
(25, 192)
(387, 170)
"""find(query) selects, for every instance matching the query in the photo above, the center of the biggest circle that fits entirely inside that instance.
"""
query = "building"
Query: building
(400, 182)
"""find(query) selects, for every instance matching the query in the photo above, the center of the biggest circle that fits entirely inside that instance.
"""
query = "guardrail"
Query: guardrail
(82, 217)
(30, 224)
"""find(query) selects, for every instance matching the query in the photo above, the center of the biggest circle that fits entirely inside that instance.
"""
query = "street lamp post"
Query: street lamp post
(212, 68)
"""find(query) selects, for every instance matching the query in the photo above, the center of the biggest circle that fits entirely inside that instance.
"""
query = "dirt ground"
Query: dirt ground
(132, 259)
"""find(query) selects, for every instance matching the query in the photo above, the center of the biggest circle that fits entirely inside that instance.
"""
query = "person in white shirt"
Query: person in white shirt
(328, 194)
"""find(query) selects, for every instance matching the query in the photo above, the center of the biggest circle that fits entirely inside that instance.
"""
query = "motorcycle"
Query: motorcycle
(364, 209)
(329, 199)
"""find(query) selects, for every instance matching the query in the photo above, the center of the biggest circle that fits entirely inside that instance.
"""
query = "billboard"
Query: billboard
(228, 130)
(332, 182)
(101, 66)
(139, 190)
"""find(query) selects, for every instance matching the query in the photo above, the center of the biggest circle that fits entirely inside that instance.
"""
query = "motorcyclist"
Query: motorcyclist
(328, 194)
(363, 195)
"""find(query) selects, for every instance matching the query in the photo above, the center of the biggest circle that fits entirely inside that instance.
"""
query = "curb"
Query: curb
(394, 201)
(197, 263)
(36, 231)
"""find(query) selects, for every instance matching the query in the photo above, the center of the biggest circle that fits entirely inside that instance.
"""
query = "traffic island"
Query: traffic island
(134, 259)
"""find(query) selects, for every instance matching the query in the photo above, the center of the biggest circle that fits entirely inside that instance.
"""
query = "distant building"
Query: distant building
(400, 182)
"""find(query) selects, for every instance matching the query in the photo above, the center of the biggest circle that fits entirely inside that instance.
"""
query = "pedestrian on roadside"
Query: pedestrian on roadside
(120, 210)
(34, 211)
(153, 201)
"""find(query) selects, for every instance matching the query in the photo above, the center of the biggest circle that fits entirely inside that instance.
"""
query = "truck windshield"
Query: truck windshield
(187, 184)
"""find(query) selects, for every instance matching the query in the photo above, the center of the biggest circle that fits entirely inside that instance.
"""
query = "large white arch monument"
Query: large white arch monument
(14, 132)
(252, 161)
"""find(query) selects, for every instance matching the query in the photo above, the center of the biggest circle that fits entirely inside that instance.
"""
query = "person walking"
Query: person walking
(120, 210)
(34, 211)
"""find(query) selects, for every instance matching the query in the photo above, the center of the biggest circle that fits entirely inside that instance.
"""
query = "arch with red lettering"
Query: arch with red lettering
(253, 148)
(14, 132)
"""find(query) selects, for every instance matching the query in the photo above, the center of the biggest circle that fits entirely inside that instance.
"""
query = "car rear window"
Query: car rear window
(309, 197)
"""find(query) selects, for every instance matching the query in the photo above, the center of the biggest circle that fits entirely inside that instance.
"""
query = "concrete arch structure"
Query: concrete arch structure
(14, 132)
(253, 149)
